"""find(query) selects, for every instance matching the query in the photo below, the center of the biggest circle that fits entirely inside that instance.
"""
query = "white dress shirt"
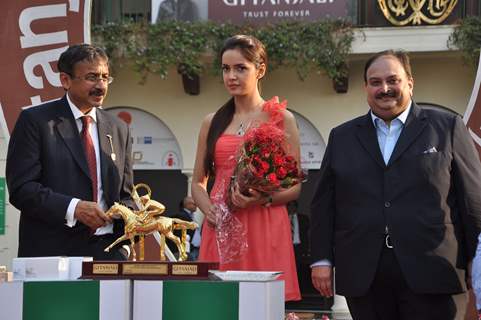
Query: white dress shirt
(69, 217)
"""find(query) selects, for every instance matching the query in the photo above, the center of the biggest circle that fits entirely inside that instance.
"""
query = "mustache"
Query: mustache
(389, 93)
(97, 92)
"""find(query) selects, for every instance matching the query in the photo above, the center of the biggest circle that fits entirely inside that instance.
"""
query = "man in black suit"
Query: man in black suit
(397, 210)
(187, 208)
(68, 161)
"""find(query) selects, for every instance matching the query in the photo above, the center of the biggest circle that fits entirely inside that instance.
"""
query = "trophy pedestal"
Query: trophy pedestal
(147, 270)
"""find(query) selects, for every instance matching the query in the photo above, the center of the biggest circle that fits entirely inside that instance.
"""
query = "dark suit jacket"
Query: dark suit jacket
(186, 217)
(431, 202)
(46, 168)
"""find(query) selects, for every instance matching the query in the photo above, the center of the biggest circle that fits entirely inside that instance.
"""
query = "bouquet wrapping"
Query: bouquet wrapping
(230, 233)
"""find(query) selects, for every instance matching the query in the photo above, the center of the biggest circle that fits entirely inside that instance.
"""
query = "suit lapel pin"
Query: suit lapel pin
(112, 153)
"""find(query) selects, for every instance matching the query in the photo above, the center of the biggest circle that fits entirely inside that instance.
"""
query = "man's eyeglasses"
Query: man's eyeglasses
(94, 79)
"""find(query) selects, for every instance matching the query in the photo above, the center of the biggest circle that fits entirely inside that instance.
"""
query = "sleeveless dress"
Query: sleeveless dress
(268, 230)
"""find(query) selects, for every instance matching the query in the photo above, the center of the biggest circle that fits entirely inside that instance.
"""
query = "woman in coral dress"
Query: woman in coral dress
(259, 232)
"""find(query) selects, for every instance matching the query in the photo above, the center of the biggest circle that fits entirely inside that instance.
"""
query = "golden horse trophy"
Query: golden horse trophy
(148, 219)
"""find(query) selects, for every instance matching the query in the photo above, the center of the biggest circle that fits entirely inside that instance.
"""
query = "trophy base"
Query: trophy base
(147, 270)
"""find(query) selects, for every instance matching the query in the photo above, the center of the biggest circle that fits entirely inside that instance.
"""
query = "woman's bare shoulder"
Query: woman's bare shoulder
(289, 116)
(207, 120)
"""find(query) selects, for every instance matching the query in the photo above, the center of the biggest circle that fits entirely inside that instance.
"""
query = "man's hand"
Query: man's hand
(90, 214)
(322, 280)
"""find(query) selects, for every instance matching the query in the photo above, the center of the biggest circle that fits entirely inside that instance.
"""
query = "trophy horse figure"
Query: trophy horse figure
(148, 219)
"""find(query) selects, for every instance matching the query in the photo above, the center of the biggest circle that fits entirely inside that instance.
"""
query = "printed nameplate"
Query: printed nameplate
(151, 268)
(184, 269)
(105, 268)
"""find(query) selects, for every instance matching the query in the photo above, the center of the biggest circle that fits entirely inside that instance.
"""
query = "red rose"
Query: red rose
(281, 172)
(264, 152)
(264, 165)
(278, 160)
(272, 178)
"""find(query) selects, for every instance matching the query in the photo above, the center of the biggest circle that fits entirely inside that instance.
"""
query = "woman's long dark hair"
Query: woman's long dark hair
(255, 52)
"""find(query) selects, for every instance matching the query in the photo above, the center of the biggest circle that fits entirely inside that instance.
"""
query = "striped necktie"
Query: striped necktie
(89, 153)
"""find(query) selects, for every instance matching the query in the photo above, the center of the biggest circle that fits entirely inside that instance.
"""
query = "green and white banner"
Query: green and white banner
(149, 300)
(212, 300)
(61, 300)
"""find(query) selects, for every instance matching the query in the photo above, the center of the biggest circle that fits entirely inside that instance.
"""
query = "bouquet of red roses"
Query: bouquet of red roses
(263, 162)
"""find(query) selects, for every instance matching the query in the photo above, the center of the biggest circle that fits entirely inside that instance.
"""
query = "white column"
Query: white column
(198, 216)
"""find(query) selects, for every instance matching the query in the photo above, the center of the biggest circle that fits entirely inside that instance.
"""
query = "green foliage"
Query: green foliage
(155, 48)
(467, 37)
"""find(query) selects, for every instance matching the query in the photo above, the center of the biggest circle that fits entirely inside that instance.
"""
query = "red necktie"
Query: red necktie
(89, 152)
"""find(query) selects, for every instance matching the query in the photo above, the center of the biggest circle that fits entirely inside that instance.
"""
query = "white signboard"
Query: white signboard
(154, 146)
(312, 144)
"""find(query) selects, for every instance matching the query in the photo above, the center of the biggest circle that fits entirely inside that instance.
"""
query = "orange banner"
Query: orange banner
(472, 116)
(33, 35)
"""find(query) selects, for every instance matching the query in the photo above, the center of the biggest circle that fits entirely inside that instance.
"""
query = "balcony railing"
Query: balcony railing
(370, 14)
(105, 11)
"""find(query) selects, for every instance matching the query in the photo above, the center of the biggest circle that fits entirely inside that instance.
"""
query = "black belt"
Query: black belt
(387, 241)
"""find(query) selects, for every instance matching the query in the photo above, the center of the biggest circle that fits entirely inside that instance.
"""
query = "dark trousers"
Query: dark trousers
(97, 245)
(390, 298)
(193, 254)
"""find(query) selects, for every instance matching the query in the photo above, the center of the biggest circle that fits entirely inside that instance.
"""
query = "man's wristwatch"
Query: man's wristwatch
(269, 202)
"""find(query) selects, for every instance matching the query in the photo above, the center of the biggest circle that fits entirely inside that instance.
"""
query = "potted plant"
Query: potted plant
(467, 37)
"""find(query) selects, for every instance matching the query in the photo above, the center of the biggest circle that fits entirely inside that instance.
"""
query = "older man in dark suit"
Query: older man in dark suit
(68, 161)
(397, 210)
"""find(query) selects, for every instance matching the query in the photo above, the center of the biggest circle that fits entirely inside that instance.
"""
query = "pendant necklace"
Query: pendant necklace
(244, 125)
(243, 128)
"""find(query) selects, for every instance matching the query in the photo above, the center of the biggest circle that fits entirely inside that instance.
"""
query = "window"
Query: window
(105, 11)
